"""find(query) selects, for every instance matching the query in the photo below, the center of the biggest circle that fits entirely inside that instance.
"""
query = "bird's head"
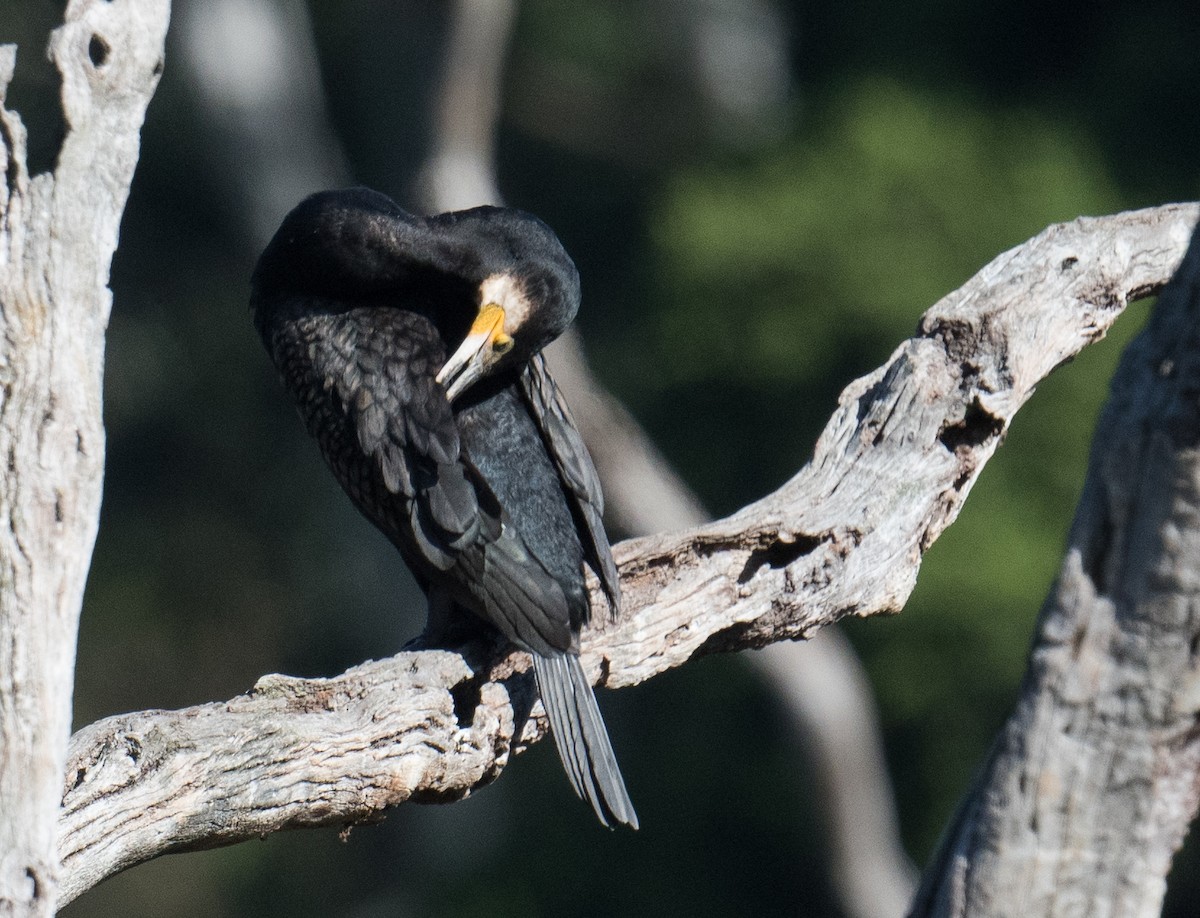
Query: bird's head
(528, 295)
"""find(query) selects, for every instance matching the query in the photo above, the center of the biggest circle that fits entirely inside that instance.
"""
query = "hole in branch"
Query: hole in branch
(777, 554)
(98, 50)
(466, 699)
(976, 428)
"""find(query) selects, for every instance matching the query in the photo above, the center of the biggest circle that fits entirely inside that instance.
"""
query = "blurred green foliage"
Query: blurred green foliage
(793, 272)
(740, 268)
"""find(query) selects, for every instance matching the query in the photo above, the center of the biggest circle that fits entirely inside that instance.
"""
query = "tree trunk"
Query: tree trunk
(57, 236)
(1095, 777)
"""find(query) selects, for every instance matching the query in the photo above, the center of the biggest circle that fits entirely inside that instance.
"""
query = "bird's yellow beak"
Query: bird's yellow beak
(485, 343)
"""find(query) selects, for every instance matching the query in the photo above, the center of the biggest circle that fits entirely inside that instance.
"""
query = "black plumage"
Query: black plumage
(412, 348)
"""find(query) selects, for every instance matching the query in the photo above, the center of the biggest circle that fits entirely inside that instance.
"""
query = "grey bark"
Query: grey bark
(834, 718)
(57, 235)
(820, 682)
(1096, 776)
(844, 537)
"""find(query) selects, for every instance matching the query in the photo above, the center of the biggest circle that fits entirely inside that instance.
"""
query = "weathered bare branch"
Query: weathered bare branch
(821, 682)
(1096, 775)
(57, 236)
(844, 537)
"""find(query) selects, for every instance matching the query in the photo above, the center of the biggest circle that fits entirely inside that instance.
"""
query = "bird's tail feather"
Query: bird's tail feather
(581, 738)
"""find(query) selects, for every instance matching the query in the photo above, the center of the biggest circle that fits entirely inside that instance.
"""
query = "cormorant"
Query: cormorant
(470, 465)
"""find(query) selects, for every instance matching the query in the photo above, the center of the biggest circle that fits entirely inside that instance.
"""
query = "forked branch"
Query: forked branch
(844, 537)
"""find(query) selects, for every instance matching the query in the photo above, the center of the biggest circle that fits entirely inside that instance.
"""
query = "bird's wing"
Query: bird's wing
(454, 525)
(382, 371)
(574, 463)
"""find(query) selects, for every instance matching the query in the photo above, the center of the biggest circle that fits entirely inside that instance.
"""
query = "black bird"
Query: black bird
(470, 465)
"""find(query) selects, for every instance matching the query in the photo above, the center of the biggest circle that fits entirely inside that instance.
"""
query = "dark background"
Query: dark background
(743, 258)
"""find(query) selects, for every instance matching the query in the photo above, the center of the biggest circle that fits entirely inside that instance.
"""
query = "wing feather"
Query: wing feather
(574, 463)
(451, 521)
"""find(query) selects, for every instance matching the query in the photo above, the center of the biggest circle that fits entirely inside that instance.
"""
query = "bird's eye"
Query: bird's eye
(502, 344)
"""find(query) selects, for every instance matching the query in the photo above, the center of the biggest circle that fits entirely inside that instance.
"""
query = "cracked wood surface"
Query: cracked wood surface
(844, 537)
(58, 232)
(1094, 779)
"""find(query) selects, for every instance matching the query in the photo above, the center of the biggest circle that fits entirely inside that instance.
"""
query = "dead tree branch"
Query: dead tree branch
(870, 872)
(820, 682)
(836, 725)
(844, 537)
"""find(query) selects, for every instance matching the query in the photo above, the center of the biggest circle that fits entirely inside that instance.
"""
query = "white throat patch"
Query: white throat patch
(505, 292)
